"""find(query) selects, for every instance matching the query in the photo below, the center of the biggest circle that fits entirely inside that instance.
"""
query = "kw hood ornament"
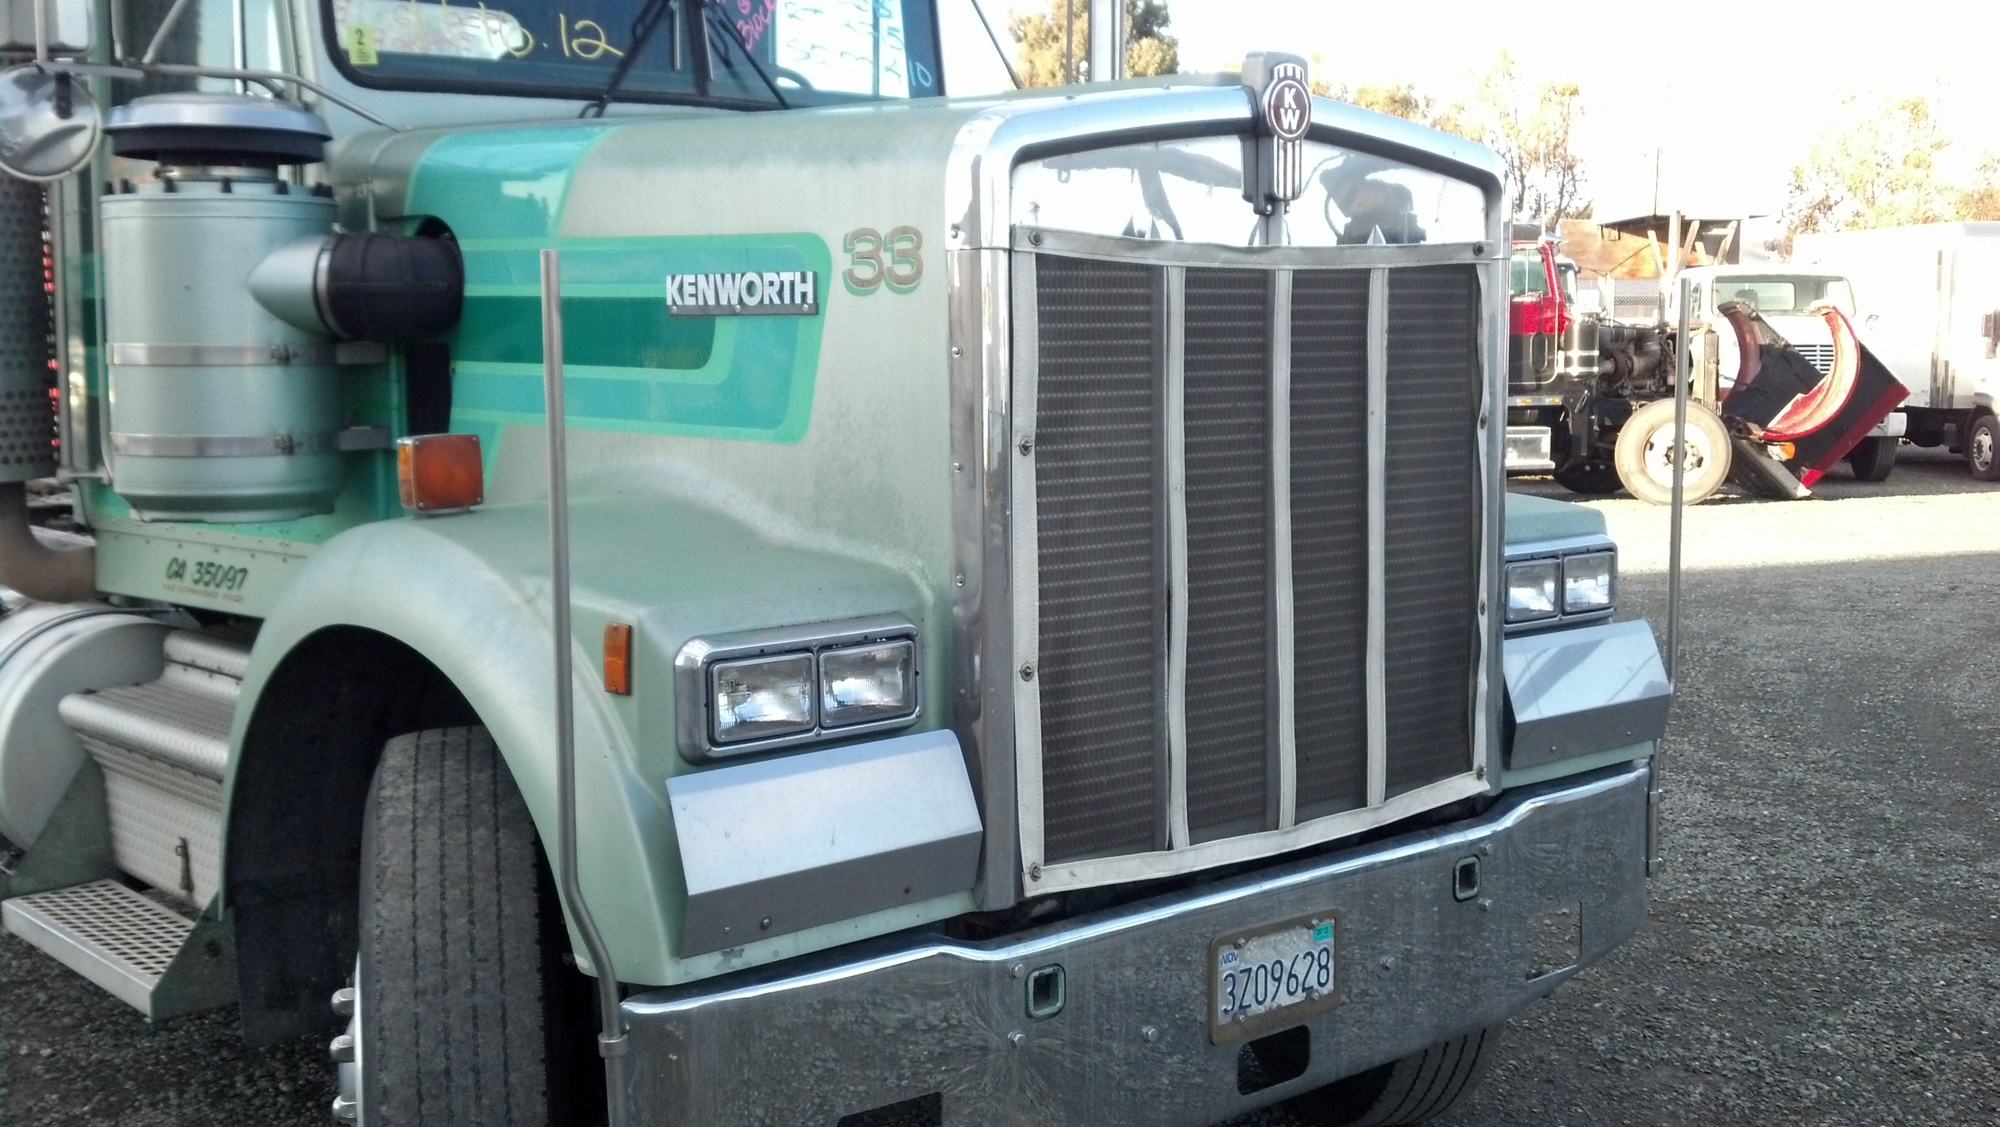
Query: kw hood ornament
(1274, 153)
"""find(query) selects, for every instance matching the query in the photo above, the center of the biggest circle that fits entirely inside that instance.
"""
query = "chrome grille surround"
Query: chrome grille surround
(994, 336)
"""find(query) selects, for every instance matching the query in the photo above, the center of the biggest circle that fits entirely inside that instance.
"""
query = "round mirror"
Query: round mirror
(48, 123)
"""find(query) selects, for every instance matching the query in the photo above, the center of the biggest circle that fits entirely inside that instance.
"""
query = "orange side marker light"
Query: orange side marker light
(618, 658)
(440, 473)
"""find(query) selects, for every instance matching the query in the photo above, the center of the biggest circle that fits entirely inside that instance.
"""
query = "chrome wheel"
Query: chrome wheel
(346, 1051)
(1696, 453)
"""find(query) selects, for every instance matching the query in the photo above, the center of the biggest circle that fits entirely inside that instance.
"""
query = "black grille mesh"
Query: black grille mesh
(1230, 674)
(1433, 521)
(1100, 459)
(1101, 529)
(1330, 538)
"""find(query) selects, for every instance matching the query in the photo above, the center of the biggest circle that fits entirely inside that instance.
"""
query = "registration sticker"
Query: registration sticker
(1269, 977)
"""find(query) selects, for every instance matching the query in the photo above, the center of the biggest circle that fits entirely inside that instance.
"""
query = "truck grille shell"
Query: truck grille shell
(1201, 619)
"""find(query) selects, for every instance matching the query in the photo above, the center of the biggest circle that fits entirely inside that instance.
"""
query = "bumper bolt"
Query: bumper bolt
(1016, 1038)
(1150, 1032)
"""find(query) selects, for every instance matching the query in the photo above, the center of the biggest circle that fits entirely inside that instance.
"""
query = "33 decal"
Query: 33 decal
(894, 259)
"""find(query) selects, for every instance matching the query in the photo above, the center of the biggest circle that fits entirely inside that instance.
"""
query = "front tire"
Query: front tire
(463, 1010)
(1416, 1089)
(1982, 448)
(1873, 458)
(1645, 453)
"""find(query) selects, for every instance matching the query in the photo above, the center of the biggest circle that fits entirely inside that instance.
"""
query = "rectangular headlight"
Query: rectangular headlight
(1531, 590)
(1587, 582)
(761, 697)
(862, 684)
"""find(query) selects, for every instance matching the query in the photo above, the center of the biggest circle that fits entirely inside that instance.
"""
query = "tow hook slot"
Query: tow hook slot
(1465, 879)
(1047, 992)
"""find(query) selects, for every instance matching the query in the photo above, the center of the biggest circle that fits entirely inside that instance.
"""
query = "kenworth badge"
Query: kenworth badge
(1274, 154)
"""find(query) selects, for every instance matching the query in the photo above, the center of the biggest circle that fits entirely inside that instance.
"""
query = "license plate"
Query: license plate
(1268, 977)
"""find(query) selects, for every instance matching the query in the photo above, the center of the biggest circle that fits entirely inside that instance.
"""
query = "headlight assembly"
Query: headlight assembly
(1587, 582)
(1531, 590)
(762, 697)
(769, 689)
(1560, 581)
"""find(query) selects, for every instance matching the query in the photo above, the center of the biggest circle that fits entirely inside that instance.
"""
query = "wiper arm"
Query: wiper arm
(643, 26)
(710, 14)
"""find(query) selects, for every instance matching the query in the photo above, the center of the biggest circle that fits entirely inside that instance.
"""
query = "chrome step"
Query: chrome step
(164, 746)
(141, 951)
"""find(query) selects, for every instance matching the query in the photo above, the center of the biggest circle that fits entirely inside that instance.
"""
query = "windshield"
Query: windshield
(815, 51)
(1527, 275)
(1782, 295)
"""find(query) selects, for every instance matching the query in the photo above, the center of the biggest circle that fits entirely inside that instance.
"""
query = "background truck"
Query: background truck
(1928, 298)
(680, 575)
(1578, 378)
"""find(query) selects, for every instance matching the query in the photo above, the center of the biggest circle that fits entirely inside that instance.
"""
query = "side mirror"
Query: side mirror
(48, 124)
(66, 26)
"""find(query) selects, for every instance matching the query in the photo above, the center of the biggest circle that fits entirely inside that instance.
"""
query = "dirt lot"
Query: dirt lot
(1822, 949)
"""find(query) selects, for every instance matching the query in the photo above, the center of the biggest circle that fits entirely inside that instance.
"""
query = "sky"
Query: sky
(1729, 98)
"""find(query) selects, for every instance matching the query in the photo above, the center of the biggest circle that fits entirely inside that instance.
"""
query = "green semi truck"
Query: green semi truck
(681, 572)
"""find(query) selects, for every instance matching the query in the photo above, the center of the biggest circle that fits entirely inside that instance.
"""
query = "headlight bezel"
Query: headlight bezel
(1583, 549)
(696, 663)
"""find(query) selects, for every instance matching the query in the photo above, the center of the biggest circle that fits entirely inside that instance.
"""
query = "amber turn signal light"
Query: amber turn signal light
(618, 658)
(440, 473)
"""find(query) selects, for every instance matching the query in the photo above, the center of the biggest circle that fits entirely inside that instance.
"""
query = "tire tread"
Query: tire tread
(452, 953)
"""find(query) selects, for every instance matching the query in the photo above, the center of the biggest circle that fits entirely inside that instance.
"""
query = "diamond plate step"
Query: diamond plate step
(147, 955)
(164, 746)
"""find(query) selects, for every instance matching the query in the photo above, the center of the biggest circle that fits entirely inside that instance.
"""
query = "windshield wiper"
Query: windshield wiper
(643, 26)
(714, 18)
(648, 21)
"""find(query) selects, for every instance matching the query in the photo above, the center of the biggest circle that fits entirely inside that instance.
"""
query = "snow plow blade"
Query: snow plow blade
(1785, 399)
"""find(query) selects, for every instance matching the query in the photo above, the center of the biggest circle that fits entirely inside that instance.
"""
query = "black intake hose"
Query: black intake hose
(389, 287)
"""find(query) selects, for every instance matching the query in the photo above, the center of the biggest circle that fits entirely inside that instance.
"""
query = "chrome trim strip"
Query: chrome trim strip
(224, 445)
(982, 613)
(1174, 389)
(217, 355)
(1378, 532)
(691, 664)
(1488, 725)
(1281, 544)
(1162, 252)
(1249, 847)
(1025, 544)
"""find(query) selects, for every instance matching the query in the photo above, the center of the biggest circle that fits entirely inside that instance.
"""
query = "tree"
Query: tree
(1982, 200)
(1875, 166)
(1047, 60)
(1532, 132)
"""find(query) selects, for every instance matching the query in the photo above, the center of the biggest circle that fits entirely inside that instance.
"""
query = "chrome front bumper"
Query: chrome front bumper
(944, 1022)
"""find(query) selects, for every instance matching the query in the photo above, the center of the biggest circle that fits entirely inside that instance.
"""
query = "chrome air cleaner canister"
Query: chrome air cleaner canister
(220, 411)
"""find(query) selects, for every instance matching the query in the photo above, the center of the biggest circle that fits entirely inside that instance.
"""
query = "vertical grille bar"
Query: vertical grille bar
(1230, 640)
(1378, 517)
(1284, 611)
(1432, 543)
(1329, 471)
(1100, 556)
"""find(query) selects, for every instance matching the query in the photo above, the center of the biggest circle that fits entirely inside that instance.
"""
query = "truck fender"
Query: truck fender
(388, 599)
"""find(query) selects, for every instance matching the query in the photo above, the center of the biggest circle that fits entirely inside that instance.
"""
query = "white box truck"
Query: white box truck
(1928, 299)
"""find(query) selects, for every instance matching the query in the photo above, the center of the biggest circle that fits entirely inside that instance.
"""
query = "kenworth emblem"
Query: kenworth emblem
(782, 293)
(1275, 156)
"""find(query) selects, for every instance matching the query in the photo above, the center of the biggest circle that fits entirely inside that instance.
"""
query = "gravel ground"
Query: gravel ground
(1821, 948)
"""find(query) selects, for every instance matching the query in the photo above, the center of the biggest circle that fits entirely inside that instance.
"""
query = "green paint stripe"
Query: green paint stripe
(622, 426)
(698, 377)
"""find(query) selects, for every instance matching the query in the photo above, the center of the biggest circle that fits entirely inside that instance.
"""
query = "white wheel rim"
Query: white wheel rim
(1982, 448)
(1658, 455)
